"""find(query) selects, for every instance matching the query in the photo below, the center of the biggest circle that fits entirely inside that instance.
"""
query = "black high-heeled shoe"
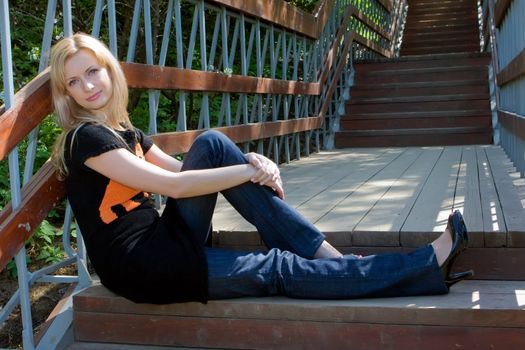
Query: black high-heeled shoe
(458, 231)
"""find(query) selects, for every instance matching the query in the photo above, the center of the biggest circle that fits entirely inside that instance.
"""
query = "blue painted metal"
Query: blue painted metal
(506, 43)
(14, 176)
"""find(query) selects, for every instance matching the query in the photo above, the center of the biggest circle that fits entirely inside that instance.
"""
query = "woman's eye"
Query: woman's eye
(72, 83)
(93, 71)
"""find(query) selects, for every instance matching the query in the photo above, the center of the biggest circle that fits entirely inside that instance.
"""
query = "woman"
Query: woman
(109, 167)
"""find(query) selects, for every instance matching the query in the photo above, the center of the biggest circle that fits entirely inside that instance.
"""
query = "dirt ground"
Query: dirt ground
(44, 297)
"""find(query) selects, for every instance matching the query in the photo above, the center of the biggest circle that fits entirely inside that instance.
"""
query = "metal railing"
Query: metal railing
(245, 44)
(503, 28)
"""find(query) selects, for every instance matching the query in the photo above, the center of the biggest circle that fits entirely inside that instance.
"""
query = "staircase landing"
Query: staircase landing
(374, 199)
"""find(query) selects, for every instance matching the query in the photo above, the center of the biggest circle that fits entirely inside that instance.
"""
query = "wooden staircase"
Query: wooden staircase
(436, 93)
(440, 27)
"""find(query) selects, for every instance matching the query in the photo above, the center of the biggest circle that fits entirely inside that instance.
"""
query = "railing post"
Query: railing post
(14, 176)
(495, 70)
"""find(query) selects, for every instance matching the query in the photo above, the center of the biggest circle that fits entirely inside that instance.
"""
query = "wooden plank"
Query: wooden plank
(31, 105)
(317, 205)
(42, 193)
(467, 199)
(321, 178)
(500, 10)
(493, 219)
(263, 334)
(276, 12)
(350, 209)
(495, 300)
(144, 76)
(180, 142)
(510, 202)
(432, 208)
(513, 70)
(391, 211)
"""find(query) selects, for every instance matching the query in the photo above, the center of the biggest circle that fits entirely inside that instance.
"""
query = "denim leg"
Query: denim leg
(234, 274)
(279, 225)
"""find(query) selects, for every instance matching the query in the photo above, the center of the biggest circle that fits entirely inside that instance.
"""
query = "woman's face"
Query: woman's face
(87, 82)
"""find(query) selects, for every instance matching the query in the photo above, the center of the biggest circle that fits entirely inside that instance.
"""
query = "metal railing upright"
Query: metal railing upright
(503, 28)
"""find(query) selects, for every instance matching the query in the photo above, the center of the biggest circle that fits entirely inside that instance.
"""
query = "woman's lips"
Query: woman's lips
(94, 97)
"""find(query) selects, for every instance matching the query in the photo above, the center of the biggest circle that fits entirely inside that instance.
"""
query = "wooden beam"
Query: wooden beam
(514, 123)
(143, 76)
(333, 52)
(500, 10)
(180, 142)
(278, 12)
(322, 13)
(513, 70)
(339, 68)
(32, 104)
(387, 4)
(41, 194)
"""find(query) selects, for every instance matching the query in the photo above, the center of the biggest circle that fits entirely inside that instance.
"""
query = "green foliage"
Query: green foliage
(42, 247)
(307, 5)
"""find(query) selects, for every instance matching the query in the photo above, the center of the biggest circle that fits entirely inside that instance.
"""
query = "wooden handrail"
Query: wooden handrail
(180, 142)
(278, 12)
(31, 104)
(143, 76)
(513, 70)
(500, 10)
(43, 192)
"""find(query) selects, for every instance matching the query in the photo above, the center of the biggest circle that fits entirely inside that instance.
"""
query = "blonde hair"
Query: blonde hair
(71, 115)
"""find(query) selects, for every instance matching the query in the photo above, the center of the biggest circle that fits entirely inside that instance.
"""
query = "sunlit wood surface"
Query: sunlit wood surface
(400, 196)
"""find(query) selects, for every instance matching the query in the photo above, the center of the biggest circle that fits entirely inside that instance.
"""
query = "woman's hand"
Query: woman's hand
(267, 173)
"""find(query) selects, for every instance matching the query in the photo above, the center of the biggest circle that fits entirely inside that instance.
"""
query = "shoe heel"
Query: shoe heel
(455, 277)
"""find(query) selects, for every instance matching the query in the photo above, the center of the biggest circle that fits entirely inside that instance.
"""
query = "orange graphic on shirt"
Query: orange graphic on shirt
(118, 194)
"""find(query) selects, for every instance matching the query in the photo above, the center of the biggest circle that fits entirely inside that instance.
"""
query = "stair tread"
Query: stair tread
(422, 70)
(99, 299)
(473, 309)
(419, 131)
(426, 57)
(417, 98)
(419, 114)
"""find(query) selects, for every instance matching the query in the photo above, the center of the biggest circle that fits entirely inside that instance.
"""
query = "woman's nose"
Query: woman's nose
(88, 85)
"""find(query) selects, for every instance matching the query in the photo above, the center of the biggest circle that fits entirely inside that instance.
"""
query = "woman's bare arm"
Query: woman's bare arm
(122, 166)
(157, 156)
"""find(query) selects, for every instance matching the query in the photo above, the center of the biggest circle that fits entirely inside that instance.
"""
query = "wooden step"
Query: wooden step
(437, 13)
(424, 61)
(420, 98)
(439, 40)
(434, 26)
(445, 17)
(430, 5)
(418, 107)
(476, 314)
(414, 137)
(419, 10)
(440, 49)
(446, 34)
(422, 74)
(358, 93)
(348, 123)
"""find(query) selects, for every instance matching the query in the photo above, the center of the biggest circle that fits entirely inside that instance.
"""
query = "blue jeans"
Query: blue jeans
(288, 268)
